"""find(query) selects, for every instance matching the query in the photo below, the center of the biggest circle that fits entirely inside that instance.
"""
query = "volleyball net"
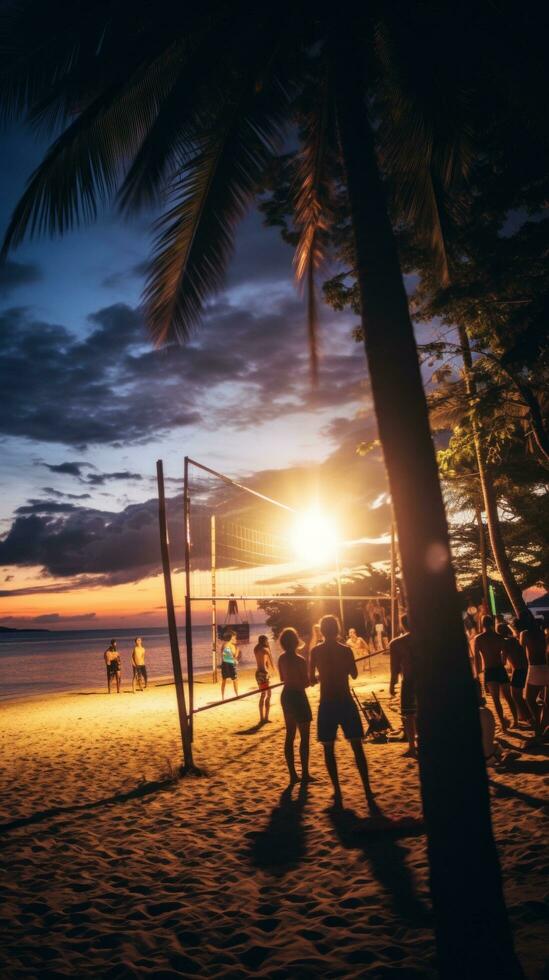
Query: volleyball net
(254, 563)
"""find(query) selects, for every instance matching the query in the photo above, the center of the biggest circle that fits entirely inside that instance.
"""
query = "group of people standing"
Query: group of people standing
(113, 663)
(325, 660)
(520, 646)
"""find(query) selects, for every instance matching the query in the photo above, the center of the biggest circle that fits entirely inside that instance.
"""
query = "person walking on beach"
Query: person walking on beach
(335, 664)
(401, 651)
(490, 653)
(532, 641)
(262, 653)
(516, 658)
(292, 668)
(229, 658)
(138, 664)
(114, 666)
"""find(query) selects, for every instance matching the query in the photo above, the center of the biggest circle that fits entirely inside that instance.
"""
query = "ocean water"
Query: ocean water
(72, 660)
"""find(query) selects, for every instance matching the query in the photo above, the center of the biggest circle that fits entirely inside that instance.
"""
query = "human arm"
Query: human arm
(281, 668)
(303, 672)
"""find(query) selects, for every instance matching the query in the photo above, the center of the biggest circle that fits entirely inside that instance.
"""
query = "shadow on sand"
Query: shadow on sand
(282, 845)
(377, 838)
(144, 789)
(501, 789)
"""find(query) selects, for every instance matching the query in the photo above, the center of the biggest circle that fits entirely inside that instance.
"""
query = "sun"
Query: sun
(314, 538)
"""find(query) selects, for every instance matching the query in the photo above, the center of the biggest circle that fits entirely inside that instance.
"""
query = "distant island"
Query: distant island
(12, 629)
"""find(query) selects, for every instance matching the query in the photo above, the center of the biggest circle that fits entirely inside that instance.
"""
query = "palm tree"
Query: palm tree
(184, 106)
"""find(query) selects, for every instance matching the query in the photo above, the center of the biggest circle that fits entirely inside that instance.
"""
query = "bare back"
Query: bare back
(293, 671)
(491, 648)
(262, 657)
(335, 664)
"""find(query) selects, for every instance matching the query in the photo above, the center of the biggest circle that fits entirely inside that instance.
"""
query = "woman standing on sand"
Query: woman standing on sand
(230, 655)
(113, 664)
(295, 704)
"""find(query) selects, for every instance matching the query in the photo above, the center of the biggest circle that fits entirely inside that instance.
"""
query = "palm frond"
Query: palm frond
(195, 236)
(311, 199)
(84, 165)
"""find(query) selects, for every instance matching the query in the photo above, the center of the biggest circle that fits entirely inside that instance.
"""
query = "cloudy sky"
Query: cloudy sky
(88, 407)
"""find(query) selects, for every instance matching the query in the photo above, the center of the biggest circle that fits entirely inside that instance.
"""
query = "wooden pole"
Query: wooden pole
(188, 604)
(393, 578)
(214, 603)
(172, 626)
(340, 595)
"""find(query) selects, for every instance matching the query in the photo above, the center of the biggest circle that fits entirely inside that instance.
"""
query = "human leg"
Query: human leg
(223, 684)
(118, 677)
(304, 736)
(506, 691)
(409, 723)
(521, 706)
(261, 706)
(493, 690)
(532, 691)
(289, 749)
(331, 766)
(267, 705)
(362, 766)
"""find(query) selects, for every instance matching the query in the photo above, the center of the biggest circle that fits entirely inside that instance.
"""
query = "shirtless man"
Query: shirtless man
(262, 653)
(489, 653)
(532, 642)
(516, 658)
(335, 664)
(402, 664)
(138, 664)
(112, 663)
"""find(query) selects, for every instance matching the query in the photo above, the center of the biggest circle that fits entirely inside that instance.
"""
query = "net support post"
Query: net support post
(172, 626)
(213, 600)
(188, 604)
(393, 578)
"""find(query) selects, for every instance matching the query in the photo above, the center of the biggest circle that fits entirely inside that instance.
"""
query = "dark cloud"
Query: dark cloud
(119, 547)
(45, 507)
(52, 492)
(14, 274)
(248, 363)
(58, 388)
(68, 469)
(53, 618)
(98, 479)
(46, 619)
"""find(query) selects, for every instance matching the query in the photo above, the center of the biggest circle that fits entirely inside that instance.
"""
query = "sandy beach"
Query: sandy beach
(113, 868)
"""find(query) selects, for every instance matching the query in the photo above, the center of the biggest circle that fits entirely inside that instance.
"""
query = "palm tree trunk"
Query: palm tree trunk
(471, 926)
(482, 552)
(497, 543)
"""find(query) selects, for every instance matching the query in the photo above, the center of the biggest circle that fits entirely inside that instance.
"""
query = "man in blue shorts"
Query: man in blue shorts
(335, 664)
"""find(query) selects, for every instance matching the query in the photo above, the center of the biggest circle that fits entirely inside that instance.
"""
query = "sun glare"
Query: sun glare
(314, 538)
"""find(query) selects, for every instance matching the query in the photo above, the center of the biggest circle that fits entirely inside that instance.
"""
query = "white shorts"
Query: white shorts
(538, 675)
